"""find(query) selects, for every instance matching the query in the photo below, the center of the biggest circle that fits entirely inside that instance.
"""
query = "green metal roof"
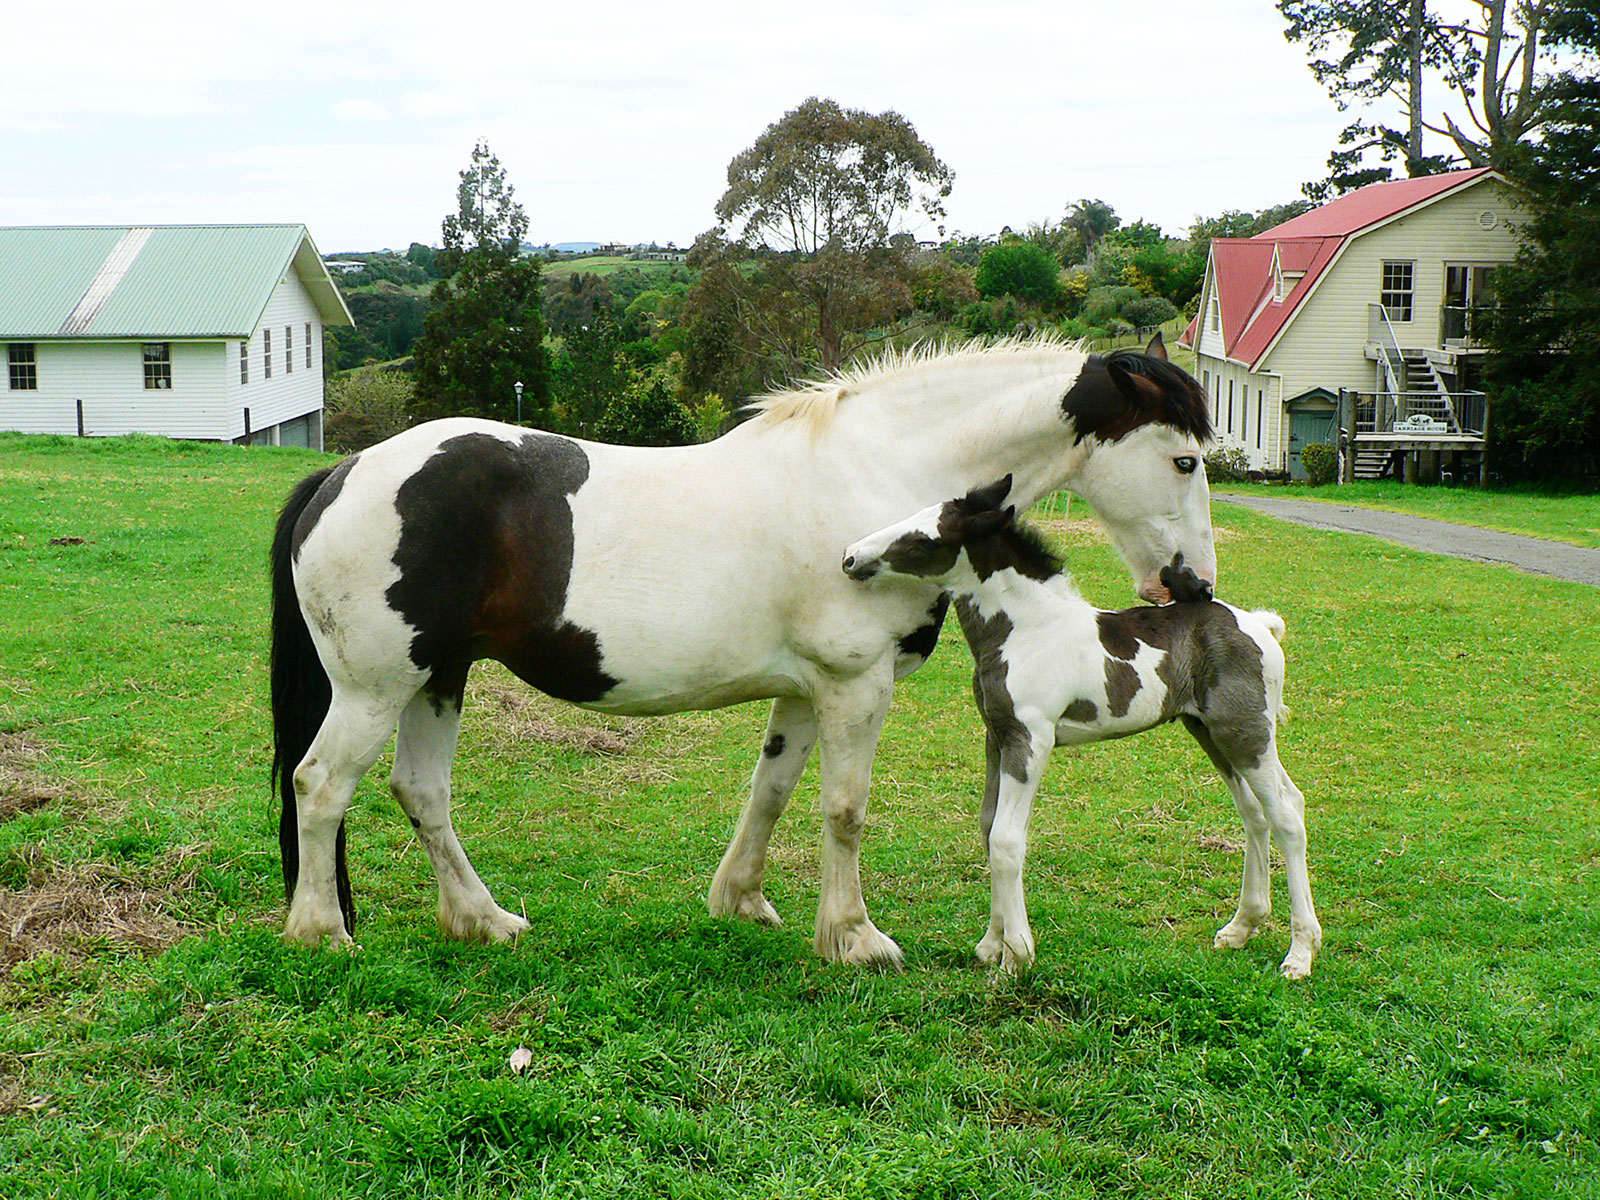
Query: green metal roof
(149, 282)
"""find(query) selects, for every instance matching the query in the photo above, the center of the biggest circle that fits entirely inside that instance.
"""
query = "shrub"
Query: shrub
(365, 407)
(1149, 310)
(1105, 304)
(1321, 462)
(1227, 464)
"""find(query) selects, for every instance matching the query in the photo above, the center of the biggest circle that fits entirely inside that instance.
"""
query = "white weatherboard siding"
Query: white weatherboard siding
(108, 377)
(289, 393)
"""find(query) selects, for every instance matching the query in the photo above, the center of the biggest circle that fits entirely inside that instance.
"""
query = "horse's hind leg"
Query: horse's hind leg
(420, 781)
(736, 888)
(348, 742)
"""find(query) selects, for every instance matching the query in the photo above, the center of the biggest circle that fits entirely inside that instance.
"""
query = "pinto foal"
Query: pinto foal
(1053, 670)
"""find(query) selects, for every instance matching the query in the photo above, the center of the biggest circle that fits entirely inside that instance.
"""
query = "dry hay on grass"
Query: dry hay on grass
(518, 714)
(23, 787)
(72, 911)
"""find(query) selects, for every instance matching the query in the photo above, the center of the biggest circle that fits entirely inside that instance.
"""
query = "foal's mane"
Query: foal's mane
(817, 402)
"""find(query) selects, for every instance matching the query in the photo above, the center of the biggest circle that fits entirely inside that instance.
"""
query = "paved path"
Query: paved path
(1540, 556)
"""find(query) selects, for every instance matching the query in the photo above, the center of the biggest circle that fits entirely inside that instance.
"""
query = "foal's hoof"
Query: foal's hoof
(1233, 936)
(1297, 964)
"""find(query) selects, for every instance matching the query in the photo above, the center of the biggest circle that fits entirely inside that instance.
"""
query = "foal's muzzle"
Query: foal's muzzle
(861, 569)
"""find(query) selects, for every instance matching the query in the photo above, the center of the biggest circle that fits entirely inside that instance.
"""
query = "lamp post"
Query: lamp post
(518, 386)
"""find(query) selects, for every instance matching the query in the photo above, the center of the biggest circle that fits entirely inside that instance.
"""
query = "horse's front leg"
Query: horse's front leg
(850, 714)
(736, 888)
(1009, 940)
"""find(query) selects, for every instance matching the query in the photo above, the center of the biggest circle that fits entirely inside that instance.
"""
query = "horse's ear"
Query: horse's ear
(1145, 393)
(989, 495)
(1157, 348)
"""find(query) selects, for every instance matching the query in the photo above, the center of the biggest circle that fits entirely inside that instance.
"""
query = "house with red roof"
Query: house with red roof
(1371, 294)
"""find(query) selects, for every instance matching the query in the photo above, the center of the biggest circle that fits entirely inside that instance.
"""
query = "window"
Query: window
(1230, 406)
(288, 349)
(24, 370)
(1244, 411)
(1261, 397)
(308, 345)
(266, 354)
(157, 365)
(1396, 294)
(244, 363)
(1214, 313)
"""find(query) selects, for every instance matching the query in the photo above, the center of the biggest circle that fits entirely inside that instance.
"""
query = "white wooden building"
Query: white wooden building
(211, 332)
(1373, 293)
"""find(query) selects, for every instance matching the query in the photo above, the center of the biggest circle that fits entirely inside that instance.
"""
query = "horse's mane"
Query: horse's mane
(1024, 549)
(817, 401)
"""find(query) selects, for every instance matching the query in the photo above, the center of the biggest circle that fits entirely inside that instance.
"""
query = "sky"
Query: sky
(616, 119)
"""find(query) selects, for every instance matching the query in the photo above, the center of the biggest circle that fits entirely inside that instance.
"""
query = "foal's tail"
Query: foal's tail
(1276, 628)
(301, 695)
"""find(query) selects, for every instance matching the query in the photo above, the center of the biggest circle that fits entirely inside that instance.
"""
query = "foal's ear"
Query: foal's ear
(989, 495)
(1157, 348)
(991, 520)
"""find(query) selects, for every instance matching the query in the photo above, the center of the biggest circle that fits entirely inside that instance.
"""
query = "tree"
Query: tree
(487, 217)
(1371, 51)
(1543, 372)
(484, 333)
(1092, 219)
(1018, 269)
(803, 251)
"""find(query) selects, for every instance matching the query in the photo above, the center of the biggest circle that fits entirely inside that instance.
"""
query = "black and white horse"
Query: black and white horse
(647, 581)
(1053, 670)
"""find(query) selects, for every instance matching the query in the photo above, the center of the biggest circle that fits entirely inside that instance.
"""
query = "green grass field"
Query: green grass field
(156, 1039)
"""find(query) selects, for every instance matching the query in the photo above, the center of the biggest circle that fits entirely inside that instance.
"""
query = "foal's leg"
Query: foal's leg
(850, 716)
(349, 741)
(1255, 890)
(1285, 808)
(1009, 940)
(736, 887)
(420, 781)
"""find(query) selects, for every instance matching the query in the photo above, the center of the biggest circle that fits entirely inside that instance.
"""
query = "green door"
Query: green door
(1307, 425)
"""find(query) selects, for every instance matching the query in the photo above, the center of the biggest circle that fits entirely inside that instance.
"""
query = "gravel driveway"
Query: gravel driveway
(1540, 556)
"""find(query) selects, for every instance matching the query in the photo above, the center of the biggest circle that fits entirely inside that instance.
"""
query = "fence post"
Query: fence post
(1347, 436)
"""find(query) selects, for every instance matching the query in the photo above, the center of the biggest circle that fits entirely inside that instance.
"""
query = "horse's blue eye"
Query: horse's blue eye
(1186, 464)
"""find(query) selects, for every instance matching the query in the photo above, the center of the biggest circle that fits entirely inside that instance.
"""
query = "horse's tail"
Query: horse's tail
(301, 695)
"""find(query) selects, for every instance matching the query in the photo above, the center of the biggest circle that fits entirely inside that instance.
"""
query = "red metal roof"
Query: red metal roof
(1242, 267)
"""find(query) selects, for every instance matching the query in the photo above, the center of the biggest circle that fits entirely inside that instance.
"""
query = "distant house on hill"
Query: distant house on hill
(1373, 293)
(211, 332)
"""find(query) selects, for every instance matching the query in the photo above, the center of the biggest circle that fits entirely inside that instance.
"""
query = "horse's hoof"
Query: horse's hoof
(314, 937)
(860, 945)
(990, 949)
(496, 925)
(751, 907)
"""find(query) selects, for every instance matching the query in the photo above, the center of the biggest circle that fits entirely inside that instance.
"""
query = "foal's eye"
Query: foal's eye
(1186, 464)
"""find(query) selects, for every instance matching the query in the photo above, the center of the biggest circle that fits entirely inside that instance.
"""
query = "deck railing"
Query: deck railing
(1449, 413)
